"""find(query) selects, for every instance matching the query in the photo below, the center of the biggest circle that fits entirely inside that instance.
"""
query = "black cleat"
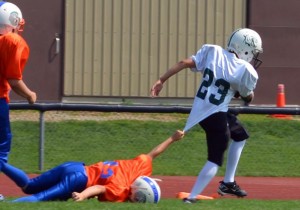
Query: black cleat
(231, 188)
(189, 200)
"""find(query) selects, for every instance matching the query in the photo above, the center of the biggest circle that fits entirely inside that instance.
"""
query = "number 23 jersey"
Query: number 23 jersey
(223, 75)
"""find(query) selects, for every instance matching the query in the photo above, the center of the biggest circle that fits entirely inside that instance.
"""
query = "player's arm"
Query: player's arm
(165, 144)
(247, 99)
(21, 89)
(88, 192)
(247, 86)
(158, 85)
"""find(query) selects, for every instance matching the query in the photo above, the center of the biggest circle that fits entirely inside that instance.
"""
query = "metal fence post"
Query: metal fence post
(42, 141)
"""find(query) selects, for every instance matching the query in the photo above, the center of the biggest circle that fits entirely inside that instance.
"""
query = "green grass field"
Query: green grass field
(272, 150)
(165, 204)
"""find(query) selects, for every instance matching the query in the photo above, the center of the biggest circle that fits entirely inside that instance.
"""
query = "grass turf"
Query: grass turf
(272, 150)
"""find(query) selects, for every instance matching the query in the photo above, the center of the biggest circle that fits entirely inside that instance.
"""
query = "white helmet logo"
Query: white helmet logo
(14, 19)
(250, 41)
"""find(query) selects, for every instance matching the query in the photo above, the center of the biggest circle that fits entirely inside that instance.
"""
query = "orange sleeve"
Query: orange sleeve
(115, 193)
(17, 56)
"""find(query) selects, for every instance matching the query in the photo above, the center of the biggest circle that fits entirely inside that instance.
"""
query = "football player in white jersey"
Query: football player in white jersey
(227, 73)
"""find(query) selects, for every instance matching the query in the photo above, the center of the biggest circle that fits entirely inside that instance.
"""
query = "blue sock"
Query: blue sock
(15, 174)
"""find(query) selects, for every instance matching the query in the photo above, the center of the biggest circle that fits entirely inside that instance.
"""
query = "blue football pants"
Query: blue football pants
(5, 132)
(56, 184)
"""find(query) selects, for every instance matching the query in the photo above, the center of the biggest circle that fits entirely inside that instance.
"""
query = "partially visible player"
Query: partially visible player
(108, 180)
(14, 53)
(227, 73)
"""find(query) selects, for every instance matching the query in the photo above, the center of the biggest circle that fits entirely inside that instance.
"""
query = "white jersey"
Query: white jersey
(223, 75)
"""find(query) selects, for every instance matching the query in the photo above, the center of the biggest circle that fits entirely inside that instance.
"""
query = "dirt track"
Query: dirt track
(257, 187)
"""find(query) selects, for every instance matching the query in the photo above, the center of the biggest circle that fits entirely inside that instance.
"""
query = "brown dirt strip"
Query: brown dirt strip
(270, 188)
(281, 188)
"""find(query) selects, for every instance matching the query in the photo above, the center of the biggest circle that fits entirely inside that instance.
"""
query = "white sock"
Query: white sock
(234, 154)
(209, 170)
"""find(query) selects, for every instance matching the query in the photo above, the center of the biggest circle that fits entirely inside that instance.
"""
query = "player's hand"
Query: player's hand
(178, 135)
(156, 88)
(32, 98)
(248, 98)
(77, 196)
(237, 94)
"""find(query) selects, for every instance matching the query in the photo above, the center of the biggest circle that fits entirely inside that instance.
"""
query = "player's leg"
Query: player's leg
(74, 182)
(217, 136)
(51, 177)
(238, 136)
(5, 131)
(70, 182)
(15, 174)
(206, 174)
(233, 157)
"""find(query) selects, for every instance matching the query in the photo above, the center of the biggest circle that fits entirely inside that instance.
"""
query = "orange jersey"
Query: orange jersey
(117, 176)
(14, 53)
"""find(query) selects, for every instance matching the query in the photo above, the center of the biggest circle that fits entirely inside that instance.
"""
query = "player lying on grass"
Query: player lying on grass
(109, 180)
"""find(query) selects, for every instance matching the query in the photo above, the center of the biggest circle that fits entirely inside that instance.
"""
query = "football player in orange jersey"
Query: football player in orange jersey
(14, 53)
(108, 180)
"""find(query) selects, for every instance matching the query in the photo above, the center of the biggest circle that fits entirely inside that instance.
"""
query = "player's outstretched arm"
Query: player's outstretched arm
(88, 193)
(165, 144)
(158, 85)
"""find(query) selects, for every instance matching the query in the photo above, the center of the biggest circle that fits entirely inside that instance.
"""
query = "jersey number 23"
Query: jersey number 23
(222, 88)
